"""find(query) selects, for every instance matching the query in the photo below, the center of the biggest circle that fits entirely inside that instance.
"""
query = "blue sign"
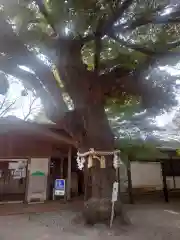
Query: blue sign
(59, 184)
(59, 187)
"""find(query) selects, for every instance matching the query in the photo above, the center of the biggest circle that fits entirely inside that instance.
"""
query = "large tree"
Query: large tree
(94, 55)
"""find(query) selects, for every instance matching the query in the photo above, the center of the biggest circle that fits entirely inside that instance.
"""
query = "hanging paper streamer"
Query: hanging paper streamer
(116, 160)
(93, 155)
(90, 161)
(80, 162)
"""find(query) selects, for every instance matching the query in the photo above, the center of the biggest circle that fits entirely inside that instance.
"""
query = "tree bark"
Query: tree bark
(89, 126)
(98, 136)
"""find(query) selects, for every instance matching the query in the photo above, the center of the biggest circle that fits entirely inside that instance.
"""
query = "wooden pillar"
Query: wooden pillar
(69, 174)
(165, 189)
(131, 200)
(85, 181)
(62, 168)
(172, 168)
(118, 179)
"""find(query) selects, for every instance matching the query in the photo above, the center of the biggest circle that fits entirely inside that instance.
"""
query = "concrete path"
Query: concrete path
(157, 222)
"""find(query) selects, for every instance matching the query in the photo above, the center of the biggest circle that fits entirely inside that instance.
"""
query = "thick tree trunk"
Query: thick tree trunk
(99, 136)
(90, 127)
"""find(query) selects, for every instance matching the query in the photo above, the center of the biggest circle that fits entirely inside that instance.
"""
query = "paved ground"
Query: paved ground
(149, 221)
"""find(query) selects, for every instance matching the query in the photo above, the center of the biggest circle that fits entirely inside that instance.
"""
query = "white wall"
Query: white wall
(170, 182)
(146, 175)
(37, 185)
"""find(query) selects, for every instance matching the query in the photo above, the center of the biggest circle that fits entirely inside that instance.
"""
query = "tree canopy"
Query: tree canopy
(122, 44)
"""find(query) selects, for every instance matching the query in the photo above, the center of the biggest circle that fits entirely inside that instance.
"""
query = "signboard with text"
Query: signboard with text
(115, 192)
(59, 187)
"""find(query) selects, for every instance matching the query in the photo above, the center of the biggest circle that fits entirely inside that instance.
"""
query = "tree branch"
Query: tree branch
(30, 109)
(8, 108)
(97, 53)
(3, 102)
(43, 10)
(108, 24)
(118, 81)
(98, 46)
(103, 27)
(12, 46)
(135, 47)
(122, 28)
(145, 50)
(144, 20)
(73, 124)
(44, 84)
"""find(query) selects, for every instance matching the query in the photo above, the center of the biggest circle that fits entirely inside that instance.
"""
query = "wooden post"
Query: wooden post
(62, 168)
(131, 200)
(118, 179)
(172, 168)
(85, 181)
(69, 174)
(165, 189)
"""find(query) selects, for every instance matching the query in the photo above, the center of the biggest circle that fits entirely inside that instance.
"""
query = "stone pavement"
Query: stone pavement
(149, 221)
(19, 208)
(21, 228)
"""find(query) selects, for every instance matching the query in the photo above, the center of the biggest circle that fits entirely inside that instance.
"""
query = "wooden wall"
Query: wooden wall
(20, 145)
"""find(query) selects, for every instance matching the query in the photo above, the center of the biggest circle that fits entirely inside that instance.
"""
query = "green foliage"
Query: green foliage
(81, 18)
(139, 150)
(122, 108)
